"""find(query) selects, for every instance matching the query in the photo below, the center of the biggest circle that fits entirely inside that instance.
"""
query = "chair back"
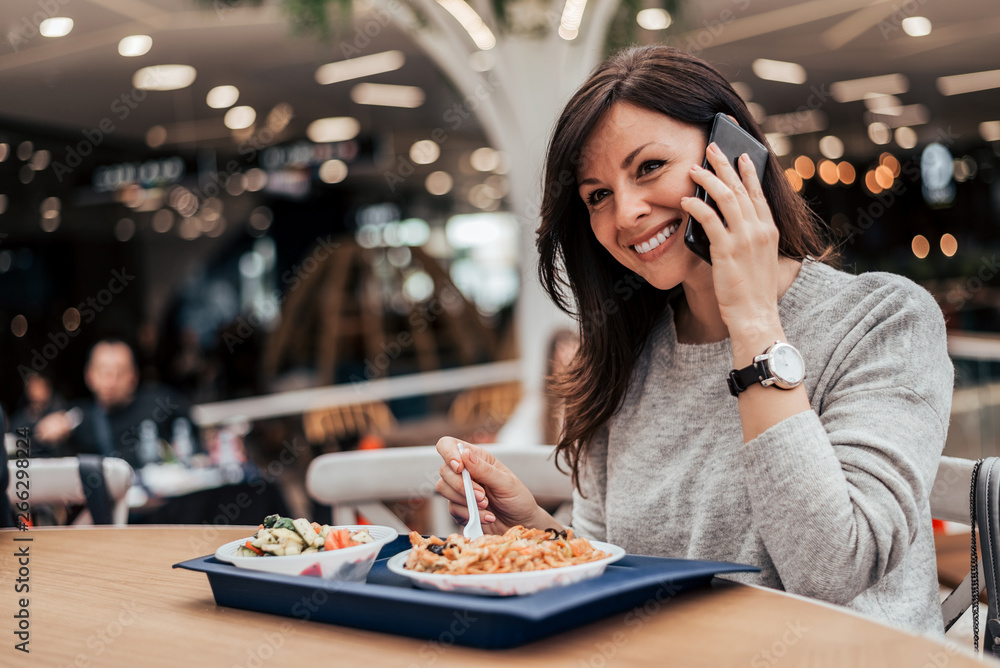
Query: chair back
(65, 480)
(953, 498)
(359, 481)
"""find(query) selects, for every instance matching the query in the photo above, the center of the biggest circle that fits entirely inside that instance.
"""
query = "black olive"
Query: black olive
(436, 549)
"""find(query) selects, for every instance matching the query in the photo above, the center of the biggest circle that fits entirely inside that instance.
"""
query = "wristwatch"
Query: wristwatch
(780, 365)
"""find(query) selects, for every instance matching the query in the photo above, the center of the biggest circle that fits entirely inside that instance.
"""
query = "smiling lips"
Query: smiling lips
(657, 239)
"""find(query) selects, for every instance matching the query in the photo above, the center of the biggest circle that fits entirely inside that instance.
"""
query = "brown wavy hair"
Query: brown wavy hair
(615, 309)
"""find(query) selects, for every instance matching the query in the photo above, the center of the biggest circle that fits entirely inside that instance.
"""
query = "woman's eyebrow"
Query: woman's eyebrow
(631, 156)
(625, 163)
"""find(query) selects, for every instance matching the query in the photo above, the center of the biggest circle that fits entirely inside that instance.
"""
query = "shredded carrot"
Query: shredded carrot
(338, 539)
(248, 545)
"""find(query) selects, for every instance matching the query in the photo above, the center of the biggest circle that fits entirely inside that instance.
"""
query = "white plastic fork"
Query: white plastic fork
(473, 528)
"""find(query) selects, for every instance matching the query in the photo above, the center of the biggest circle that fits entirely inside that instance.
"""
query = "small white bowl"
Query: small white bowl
(348, 564)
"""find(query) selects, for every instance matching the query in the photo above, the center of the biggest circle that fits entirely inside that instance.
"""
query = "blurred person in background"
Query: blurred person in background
(123, 419)
(6, 512)
(38, 401)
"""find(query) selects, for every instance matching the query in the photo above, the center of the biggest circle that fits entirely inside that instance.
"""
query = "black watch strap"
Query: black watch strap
(740, 379)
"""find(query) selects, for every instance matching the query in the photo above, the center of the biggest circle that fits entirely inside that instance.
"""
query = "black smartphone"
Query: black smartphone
(734, 141)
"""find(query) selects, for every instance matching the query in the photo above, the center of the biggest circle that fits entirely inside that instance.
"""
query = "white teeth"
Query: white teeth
(660, 238)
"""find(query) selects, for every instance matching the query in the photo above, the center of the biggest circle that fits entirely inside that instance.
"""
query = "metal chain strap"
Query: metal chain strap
(975, 557)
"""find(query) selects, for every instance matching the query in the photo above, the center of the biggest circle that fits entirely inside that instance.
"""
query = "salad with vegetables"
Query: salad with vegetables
(281, 536)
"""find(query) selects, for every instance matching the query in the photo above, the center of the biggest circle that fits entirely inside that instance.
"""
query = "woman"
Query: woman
(822, 484)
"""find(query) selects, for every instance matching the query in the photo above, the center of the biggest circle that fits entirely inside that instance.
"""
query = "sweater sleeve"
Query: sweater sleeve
(588, 506)
(837, 493)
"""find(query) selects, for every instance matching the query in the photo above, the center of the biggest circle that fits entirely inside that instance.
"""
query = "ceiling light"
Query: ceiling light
(804, 166)
(779, 70)
(57, 26)
(827, 170)
(164, 77)
(474, 25)
(858, 89)
(240, 118)
(425, 152)
(968, 83)
(355, 68)
(920, 246)
(280, 116)
(949, 244)
(222, 97)
(135, 45)
(990, 130)
(572, 16)
(917, 26)
(906, 137)
(654, 19)
(156, 136)
(909, 114)
(384, 95)
(333, 171)
(832, 147)
(438, 183)
(796, 123)
(879, 133)
(846, 172)
(883, 104)
(485, 159)
(779, 143)
(338, 128)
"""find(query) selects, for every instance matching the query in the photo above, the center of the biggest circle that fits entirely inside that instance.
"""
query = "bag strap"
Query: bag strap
(987, 510)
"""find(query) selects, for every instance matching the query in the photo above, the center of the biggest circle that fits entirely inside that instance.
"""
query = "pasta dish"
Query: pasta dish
(516, 551)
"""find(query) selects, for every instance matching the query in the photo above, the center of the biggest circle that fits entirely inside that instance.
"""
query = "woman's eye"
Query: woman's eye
(596, 196)
(649, 166)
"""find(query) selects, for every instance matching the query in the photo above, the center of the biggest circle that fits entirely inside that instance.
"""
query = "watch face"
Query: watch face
(786, 364)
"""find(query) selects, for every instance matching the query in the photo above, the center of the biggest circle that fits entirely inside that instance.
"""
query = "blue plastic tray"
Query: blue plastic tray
(391, 604)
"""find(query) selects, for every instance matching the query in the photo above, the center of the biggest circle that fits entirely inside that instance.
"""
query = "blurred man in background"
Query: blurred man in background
(123, 420)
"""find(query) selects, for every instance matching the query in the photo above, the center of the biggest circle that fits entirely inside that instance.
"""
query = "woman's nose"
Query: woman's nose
(633, 206)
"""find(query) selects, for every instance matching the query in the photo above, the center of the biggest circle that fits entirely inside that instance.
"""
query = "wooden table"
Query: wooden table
(108, 597)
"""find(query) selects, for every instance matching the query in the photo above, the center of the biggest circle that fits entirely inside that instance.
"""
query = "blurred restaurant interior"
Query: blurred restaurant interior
(282, 216)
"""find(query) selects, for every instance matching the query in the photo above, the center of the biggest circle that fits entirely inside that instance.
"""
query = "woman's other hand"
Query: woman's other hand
(744, 250)
(504, 501)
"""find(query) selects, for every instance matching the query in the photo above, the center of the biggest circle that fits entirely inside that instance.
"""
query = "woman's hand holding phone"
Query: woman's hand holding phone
(744, 249)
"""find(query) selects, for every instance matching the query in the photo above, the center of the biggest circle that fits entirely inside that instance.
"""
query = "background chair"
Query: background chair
(359, 481)
(952, 499)
(78, 480)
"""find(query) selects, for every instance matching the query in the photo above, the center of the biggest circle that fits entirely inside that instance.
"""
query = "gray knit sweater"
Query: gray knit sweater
(831, 503)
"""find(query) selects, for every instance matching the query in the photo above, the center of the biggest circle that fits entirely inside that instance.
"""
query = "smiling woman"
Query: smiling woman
(764, 409)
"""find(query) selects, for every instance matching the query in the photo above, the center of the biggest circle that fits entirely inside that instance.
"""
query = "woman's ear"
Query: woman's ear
(733, 119)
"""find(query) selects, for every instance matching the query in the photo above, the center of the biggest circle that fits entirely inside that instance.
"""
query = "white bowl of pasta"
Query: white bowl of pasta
(553, 562)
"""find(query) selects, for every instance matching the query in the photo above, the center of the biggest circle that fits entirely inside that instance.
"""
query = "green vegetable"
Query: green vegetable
(270, 520)
(284, 523)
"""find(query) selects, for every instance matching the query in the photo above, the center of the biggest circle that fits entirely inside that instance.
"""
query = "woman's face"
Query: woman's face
(635, 169)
